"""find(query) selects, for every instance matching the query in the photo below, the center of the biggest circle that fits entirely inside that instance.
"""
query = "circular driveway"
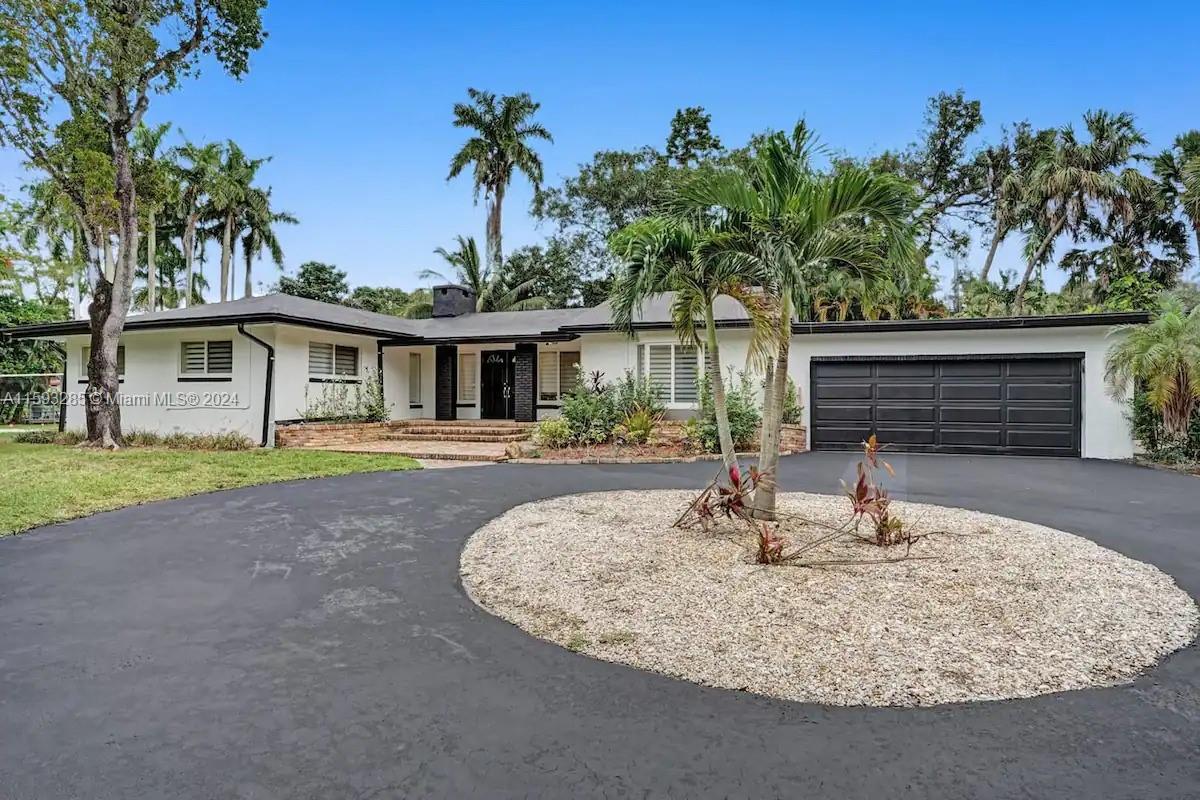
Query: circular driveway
(311, 639)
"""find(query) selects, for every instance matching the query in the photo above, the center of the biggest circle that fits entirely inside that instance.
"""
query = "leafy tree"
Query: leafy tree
(1007, 171)
(1077, 176)
(793, 222)
(1164, 357)
(383, 300)
(500, 146)
(1178, 174)
(316, 281)
(549, 271)
(99, 63)
(23, 355)
(494, 290)
(663, 254)
(691, 140)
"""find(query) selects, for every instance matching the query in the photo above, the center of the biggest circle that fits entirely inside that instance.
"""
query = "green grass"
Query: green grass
(44, 483)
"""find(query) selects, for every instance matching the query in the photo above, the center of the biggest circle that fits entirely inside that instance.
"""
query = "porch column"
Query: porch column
(445, 381)
(525, 382)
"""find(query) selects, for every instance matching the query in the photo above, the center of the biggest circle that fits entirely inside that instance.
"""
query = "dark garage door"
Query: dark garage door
(1013, 405)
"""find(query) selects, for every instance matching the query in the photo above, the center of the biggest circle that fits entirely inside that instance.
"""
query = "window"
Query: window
(333, 360)
(466, 378)
(206, 358)
(414, 379)
(558, 374)
(672, 369)
(87, 356)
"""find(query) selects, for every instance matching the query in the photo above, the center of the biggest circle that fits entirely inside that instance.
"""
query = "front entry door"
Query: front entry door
(496, 392)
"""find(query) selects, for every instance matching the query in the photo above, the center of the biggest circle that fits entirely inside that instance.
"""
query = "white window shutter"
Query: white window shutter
(192, 358)
(320, 358)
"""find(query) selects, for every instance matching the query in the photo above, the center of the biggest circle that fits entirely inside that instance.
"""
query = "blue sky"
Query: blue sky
(353, 100)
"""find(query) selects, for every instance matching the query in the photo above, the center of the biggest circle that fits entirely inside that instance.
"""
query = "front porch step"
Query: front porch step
(466, 430)
(463, 423)
(450, 435)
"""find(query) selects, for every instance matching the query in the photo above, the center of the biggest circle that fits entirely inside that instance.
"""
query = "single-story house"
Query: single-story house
(1022, 386)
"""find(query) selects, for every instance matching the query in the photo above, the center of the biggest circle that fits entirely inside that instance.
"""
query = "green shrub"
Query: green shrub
(637, 427)
(792, 410)
(741, 402)
(553, 433)
(35, 437)
(591, 413)
(1148, 429)
(633, 394)
(360, 401)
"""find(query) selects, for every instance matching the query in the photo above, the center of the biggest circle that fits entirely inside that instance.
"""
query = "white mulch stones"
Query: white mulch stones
(1005, 609)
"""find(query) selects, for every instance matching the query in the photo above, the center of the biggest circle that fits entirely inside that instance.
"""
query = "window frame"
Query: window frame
(415, 374)
(558, 393)
(207, 375)
(643, 364)
(467, 382)
(334, 376)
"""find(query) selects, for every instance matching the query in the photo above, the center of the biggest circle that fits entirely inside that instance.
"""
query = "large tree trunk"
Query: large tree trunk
(110, 304)
(494, 252)
(1055, 229)
(997, 237)
(151, 268)
(768, 459)
(110, 268)
(226, 258)
(724, 435)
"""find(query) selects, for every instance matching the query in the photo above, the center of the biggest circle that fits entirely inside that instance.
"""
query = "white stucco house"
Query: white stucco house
(1022, 386)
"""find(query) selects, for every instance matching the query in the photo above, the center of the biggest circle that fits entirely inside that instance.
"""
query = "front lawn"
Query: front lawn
(45, 483)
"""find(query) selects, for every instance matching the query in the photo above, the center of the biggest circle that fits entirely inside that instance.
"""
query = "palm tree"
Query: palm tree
(195, 171)
(662, 254)
(1164, 357)
(499, 147)
(155, 190)
(1178, 173)
(491, 287)
(1075, 175)
(257, 221)
(1008, 167)
(231, 198)
(794, 223)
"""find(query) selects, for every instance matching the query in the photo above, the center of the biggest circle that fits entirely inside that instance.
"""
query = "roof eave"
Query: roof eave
(79, 327)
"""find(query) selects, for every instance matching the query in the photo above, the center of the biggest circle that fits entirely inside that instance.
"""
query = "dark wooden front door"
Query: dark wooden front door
(496, 390)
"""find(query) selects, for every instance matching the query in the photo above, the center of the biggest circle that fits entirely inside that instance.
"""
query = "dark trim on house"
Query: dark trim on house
(269, 384)
(334, 380)
(85, 380)
(544, 407)
(971, 324)
(202, 379)
(953, 357)
(606, 327)
(412, 406)
(74, 327)
(534, 338)
(62, 405)
(464, 405)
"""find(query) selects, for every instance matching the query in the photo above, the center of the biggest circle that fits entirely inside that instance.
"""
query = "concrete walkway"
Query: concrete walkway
(311, 640)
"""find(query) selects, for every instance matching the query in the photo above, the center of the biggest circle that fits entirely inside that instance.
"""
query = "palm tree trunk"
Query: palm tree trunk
(151, 268)
(997, 237)
(768, 459)
(1057, 227)
(724, 435)
(226, 244)
(494, 253)
(249, 289)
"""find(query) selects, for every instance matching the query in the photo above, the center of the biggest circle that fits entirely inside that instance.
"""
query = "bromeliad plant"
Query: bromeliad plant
(870, 500)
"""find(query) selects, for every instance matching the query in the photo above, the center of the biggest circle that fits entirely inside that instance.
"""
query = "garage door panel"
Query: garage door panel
(990, 404)
(976, 437)
(906, 391)
(842, 413)
(985, 413)
(904, 413)
(906, 369)
(1040, 391)
(970, 391)
(1063, 415)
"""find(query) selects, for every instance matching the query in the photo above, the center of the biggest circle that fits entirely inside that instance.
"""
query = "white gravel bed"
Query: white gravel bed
(1003, 609)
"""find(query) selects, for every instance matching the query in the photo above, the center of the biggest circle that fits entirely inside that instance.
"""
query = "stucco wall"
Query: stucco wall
(153, 396)
(1106, 432)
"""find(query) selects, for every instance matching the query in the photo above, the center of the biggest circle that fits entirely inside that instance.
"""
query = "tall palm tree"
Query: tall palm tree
(1164, 357)
(155, 190)
(1076, 175)
(257, 223)
(1007, 170)
(1178, 173)
(500, 146)
(663, 254)
(794, 223)
(492, 288)
(195, 170)
(230, 199)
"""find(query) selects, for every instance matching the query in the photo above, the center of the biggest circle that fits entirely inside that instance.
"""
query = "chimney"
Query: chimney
(452, 300)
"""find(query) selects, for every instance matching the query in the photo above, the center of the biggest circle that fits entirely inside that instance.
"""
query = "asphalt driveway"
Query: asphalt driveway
(312, 640)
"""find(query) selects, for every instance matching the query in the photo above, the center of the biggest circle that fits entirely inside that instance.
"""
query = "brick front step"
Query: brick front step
(461, 430)
(450, 436)
(507, 424)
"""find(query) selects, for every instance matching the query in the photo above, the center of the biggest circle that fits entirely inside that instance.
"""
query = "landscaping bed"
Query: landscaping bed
(983, 607)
